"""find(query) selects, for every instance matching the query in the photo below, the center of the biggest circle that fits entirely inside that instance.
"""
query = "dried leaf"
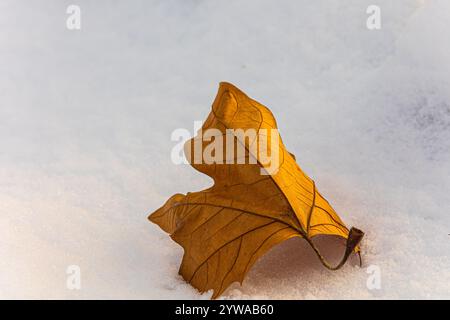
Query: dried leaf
(226, 228)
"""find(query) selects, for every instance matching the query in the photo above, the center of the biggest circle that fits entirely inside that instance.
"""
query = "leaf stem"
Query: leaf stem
(354, 238)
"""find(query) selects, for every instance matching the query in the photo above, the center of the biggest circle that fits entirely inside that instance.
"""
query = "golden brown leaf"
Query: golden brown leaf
(226, 228)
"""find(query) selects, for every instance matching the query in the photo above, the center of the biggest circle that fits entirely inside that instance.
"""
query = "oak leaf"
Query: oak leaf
(227, 227)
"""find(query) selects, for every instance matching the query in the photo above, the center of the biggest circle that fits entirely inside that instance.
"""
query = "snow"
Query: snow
(86, 118)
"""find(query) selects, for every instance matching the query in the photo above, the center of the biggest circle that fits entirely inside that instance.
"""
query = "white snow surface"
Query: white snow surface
(86, 118)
